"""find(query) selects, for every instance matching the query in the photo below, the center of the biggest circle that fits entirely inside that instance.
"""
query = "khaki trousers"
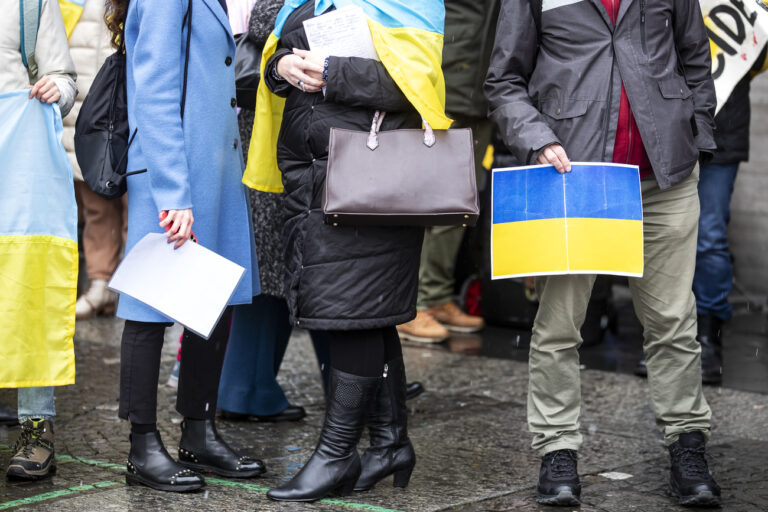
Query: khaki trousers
(664, 302)
(442, 243)
(104, 230)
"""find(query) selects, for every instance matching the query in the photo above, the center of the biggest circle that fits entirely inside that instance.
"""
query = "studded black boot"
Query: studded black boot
(335, 465)
(559, 483)
(391, 451)
(150, 464)
(201, 448)
(709, 329)
(690, 480)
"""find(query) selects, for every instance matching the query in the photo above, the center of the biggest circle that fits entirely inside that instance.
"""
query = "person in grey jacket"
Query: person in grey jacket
(627, 82)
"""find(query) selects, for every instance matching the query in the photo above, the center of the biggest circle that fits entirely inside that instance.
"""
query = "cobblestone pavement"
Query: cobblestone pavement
(469, 431)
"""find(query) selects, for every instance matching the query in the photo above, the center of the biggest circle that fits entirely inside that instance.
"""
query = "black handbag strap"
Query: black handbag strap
(536, 8)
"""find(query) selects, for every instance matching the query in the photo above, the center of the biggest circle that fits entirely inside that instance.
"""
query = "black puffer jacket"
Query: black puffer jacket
(339, 278)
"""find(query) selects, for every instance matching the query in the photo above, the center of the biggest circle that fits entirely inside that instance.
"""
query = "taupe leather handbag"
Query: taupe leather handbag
(400, 177)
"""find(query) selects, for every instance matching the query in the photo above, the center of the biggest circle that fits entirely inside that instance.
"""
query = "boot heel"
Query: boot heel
(346, 488)
(402, 477)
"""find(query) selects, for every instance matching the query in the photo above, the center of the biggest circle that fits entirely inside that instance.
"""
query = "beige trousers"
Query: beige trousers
(104, 230)
(664, 303)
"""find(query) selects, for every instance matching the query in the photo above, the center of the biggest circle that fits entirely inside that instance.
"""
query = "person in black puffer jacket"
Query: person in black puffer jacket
(357, 282)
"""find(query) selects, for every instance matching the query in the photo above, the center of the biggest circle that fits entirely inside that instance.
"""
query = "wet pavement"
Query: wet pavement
(468, 429)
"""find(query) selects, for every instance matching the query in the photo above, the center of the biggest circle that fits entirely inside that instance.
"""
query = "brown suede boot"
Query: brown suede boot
(424, 329)
(34, 458)
(452, 317)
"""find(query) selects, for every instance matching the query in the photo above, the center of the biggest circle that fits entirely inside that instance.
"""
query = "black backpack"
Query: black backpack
(102, 135)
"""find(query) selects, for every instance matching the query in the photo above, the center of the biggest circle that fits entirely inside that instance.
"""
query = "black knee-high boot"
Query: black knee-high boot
(391, 451)
(335, 465)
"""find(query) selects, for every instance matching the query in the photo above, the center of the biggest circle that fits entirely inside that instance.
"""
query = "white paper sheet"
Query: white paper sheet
(192, 285)
(341, 33)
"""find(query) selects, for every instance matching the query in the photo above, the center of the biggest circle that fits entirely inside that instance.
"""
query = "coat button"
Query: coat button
(228, 61)
(233, 102)
(235, 144)
(558, 112)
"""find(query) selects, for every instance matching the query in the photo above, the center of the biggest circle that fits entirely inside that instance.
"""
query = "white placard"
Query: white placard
(341, 33)
(192, 284)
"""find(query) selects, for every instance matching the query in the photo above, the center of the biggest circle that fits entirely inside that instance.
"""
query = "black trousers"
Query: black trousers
(201, 362)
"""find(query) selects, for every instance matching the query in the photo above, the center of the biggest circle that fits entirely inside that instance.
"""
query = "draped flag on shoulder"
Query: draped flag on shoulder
(408, 37)
(738, 33)
(71, 11)
(38, 246)
(588, 221)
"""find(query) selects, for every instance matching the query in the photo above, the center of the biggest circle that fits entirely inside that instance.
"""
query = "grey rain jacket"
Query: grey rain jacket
(567, 89)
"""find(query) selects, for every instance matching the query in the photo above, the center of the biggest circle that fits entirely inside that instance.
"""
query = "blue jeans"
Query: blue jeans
(714, 271)
(36, 403)
(257, 343)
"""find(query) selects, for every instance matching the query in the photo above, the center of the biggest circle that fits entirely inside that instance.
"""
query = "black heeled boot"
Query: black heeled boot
(335, 465)
(391, 451)
(201, 448)
(150, 464)
(709, 329)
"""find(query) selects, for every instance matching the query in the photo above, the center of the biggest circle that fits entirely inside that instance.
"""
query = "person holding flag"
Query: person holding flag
(356, 282)
(38, 226)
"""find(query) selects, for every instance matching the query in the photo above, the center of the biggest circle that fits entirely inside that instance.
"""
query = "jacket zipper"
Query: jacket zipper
(642, 27)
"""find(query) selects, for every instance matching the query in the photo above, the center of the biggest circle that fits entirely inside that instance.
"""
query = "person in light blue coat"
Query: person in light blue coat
(188, 144)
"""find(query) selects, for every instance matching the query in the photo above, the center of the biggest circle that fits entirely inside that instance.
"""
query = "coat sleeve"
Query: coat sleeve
(513, 60)
(693, 49)
(364, 83)
(158, 65)
(52, 54)
(279, 87)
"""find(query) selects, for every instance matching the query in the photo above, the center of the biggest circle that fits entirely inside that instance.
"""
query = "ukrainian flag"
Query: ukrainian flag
(71, 10)
(588, 221)
(38, 246)
(408, 37)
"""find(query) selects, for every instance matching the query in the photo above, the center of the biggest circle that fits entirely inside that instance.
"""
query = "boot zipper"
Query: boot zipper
(386, 370)
(642, 27)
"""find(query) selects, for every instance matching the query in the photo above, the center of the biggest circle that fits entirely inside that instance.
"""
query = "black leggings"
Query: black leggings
(201, 362)
(364, 352)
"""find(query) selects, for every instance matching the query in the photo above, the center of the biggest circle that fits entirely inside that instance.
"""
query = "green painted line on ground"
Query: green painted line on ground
(56, 494)
(220, 482)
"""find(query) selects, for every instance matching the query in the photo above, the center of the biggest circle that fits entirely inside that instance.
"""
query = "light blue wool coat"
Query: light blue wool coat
(196, 163)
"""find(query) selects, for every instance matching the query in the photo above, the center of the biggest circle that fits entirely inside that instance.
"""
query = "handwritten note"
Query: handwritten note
(341, 33)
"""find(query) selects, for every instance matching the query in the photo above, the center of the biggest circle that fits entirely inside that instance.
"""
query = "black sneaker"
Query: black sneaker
(690, 480)
(559, 479)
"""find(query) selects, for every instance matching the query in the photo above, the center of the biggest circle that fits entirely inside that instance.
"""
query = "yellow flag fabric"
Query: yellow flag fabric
(413, 58)
(71, 11)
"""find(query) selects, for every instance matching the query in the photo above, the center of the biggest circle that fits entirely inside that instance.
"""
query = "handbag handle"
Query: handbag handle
(378, 118)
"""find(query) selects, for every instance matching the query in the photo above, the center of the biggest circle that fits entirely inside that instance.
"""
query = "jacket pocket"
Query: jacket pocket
(674, 88)
(557, 109)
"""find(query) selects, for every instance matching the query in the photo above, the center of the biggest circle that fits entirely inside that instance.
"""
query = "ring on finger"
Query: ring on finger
(300, 84)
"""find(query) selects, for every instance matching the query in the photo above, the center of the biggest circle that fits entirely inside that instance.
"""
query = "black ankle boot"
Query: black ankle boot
(690, 480)
(150, 464)
(335, 465)
(391, 452)
(559, 479)
(711, 349)
(201, 448)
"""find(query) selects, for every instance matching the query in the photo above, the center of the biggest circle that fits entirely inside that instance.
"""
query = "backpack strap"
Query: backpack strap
(188, 21)
(536, 8)
(29, 18)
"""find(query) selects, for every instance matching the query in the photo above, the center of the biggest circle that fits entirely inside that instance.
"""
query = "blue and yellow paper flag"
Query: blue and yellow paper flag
(588, 221)
(38, 246)
(71, 11)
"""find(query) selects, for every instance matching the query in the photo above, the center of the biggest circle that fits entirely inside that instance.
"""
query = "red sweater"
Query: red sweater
(628, 148)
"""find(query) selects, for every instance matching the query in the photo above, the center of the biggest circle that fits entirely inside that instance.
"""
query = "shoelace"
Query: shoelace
(27, 441)
(563, 464)
(692, 462)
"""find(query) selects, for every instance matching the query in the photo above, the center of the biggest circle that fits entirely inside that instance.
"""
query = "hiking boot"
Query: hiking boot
(98, 300)
(453, 318)
(690, 480)
(709, 329)
(34, 455)
(423, 329)
(559, 479)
